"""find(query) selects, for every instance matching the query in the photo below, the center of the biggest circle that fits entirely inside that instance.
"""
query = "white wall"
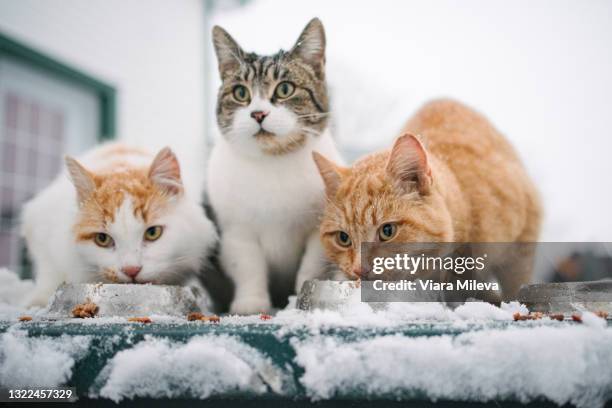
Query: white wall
(150, 50)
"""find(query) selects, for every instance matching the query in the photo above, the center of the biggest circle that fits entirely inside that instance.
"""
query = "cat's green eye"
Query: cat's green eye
(387, 231)
(343, 239)
(103, 240)
(241, 93)
(284, 90)
(153, 233)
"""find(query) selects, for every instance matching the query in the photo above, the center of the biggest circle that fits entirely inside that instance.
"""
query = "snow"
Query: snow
(477, 354)
(12, 291)
(566, 364)
(492, 358)
(38, 361)
(12, 288)
(592, 320)
(361, 315)
(202, 367)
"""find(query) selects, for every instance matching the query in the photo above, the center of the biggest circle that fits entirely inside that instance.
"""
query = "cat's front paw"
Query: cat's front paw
(250, 305)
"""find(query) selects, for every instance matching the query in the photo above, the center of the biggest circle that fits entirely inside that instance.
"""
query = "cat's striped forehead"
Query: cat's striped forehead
(261, 74)
(260, 69)
(367, 197)
(364, 199)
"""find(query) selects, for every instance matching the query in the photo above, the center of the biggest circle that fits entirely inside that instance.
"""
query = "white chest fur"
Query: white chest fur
(268, 207)
(263, 191)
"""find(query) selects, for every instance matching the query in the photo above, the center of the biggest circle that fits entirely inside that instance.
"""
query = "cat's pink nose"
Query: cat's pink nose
(359, 272)
(131, 271)
(259, 116)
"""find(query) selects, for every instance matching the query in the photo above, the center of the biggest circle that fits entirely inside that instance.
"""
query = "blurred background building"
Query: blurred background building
(74, 72)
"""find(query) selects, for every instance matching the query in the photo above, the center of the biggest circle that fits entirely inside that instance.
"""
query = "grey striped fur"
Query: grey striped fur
(303, 65)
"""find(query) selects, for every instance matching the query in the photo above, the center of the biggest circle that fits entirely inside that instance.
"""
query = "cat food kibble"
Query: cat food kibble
(531, 316)
(197, 316)
(577, 318)
(139, 320)
(85, 310)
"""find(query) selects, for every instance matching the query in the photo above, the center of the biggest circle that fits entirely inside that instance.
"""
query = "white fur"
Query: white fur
(48, 219)
(280, 121)
(268, 208)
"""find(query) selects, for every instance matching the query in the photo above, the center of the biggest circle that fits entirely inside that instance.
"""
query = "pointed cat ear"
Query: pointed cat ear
(81, 179)
(409, 165)
(229, 53)
(310, 46)
(165, 172)
(330, 172)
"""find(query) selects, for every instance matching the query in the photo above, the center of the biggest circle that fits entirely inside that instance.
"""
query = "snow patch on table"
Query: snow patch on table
(395, 314)
(12, 288)
(356, 314)
(204, 366)
(565, 363)
(38, 361)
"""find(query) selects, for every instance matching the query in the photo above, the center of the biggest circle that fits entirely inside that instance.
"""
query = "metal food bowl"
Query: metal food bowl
(564, 298)
(337, 295)
(568, 297)
(126, 300)
(330, 295)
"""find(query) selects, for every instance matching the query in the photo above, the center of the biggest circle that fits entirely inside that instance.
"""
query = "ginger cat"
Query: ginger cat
(118, 215)
(459, 181)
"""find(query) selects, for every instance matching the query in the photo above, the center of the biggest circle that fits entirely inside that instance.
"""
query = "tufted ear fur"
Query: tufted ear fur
(310, 46)
(229, 54)
(82, 179)
(409, 166)
(330, 172)
(165, 172)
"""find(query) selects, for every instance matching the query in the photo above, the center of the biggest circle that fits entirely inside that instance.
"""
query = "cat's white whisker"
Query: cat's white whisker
(310, 131)
(314, 115)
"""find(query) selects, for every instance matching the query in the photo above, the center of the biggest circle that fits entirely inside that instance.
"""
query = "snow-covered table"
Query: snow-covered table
(419, 353)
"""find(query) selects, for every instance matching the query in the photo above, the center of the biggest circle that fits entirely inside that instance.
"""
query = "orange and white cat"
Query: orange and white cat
(459, 181)
(124, 218)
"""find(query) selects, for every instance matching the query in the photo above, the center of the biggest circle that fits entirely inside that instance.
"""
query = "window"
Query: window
(47, 109)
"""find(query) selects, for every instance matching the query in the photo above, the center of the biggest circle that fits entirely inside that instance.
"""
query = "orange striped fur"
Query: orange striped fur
(463, 183)
(103, 192)
(111, 190)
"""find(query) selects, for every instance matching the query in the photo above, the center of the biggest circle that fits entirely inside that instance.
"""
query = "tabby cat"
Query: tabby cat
(264, 188)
